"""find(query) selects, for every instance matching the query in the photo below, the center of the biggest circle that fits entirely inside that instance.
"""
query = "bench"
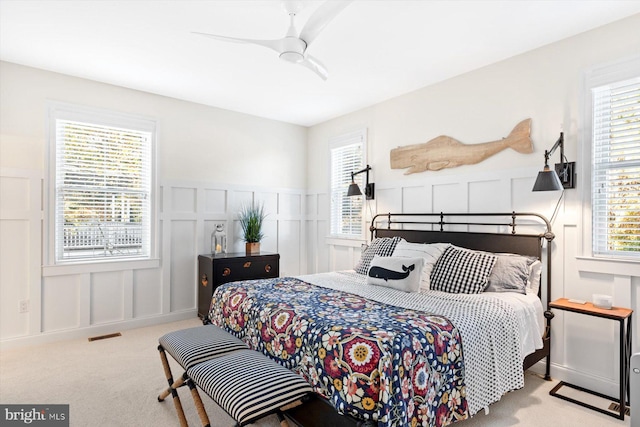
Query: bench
(243, 382)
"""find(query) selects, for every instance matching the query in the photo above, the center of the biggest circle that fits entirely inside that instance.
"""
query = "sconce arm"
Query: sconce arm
(549, 153)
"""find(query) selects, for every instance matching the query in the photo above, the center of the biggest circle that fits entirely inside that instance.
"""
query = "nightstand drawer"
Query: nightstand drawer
(245, 269)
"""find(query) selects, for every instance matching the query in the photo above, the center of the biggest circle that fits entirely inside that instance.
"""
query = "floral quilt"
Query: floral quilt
(373, 361)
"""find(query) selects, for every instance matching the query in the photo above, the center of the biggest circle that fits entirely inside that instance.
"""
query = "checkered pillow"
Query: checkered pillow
(382, 246)
(462, 271)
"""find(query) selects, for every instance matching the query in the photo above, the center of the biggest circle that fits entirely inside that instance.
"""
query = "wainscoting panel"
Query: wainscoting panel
(240, 198)
(416, 199)
(323, 228)
(183, 199)
(342, 257)
(289, 238)
(290, 205)
(271, 234)
(14, 276)
(489, 196)
(183, 275)
(107, 297)
(312, 206)
(147, 298)
(450, 197)
(324, 206)
(61, 299)
(387, 200)
(311, 231)
(270, 202)
(215, 201)
(20, 264)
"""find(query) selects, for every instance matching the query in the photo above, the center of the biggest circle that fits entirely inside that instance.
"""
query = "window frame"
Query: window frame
(341, 141)
(102, 117)
(597, 76)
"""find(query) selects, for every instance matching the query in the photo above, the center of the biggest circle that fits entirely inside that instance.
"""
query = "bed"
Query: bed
(379, 354)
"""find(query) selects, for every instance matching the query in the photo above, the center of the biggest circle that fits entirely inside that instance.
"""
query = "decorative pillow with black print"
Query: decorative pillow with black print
(462, 271)
(382, 246)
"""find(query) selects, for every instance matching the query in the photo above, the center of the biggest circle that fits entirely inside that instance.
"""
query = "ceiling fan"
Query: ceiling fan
(293, 46)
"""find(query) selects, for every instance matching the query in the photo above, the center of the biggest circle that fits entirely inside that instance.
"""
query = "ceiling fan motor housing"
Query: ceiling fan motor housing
(293, 49)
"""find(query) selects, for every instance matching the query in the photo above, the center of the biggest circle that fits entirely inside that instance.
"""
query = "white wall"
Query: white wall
(480, 106)
(209, 161)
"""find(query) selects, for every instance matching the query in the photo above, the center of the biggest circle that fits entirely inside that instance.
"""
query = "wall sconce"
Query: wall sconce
(369, 189)
(561, 177)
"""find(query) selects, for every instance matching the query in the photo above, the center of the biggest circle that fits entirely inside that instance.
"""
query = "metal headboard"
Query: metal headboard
(445, 227)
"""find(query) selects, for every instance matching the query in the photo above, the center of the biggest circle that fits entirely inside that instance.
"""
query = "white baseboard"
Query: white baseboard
(97, 330)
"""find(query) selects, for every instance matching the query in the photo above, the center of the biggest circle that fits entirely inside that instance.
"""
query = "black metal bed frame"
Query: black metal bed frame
(318, 411)
(394, 224)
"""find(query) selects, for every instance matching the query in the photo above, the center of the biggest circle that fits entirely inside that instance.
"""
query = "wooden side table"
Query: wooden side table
(623, 316)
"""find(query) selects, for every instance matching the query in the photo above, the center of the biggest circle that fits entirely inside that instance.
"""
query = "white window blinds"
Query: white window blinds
(102, 191)
(616, 169)
(346, 212)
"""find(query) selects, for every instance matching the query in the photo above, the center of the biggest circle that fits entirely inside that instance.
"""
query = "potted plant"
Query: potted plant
(251, 219)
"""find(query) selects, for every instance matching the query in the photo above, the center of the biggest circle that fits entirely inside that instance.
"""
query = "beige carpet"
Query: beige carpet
(115, 382)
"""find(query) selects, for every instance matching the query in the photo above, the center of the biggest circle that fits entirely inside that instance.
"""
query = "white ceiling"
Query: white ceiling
(374, 50)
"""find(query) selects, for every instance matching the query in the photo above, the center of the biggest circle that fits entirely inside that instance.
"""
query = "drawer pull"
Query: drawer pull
(204, 280)
(267, 268)
(226, 271)
(247, 264)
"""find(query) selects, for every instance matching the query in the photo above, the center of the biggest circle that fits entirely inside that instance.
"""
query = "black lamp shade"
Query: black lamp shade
(547, 180)
(354, 190)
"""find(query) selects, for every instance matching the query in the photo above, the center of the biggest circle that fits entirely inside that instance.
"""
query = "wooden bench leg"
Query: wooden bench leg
(282, 419)
(198, 402)
(171, 390)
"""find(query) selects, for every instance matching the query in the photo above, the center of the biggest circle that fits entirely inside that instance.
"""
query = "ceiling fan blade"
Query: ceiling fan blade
(321, 17)
(275, 45)
(316, 66)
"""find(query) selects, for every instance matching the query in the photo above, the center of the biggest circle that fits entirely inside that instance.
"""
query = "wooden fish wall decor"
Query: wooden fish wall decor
(445, 152)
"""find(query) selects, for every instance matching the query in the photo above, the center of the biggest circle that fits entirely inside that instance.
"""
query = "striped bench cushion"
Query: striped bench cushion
(194, 345)
(248, 385)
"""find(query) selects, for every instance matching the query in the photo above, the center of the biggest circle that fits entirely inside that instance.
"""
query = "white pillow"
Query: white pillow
(430, 252)
(533, 284)
(402, 274)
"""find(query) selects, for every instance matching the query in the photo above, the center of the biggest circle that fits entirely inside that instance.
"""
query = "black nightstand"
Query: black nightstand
(215, 270)
(621, 315)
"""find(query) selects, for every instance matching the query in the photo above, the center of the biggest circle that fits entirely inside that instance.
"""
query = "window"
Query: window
(346, 157)
(616, 169)
(102, 172)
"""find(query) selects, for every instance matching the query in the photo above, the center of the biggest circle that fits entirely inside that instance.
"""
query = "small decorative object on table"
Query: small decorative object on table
(603, 301)
(251, 219)
(219, 240)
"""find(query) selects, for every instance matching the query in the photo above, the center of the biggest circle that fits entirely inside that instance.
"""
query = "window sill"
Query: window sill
(98, 267)
(618, 267)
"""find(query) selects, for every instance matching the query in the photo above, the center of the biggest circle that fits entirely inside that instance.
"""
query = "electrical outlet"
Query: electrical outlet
(24, 306)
